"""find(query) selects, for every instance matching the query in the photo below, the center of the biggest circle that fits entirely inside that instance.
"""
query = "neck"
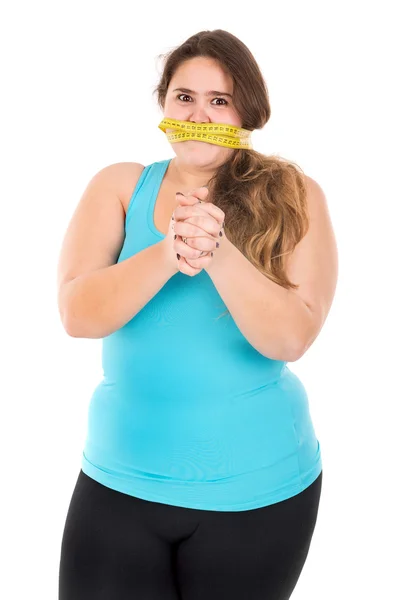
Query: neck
(187, 177)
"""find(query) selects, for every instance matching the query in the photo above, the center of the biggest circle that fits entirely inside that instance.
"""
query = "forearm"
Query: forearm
(98, 303)
(273, 319)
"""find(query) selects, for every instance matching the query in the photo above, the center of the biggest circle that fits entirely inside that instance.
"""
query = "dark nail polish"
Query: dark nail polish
(212, 254)
(178, 255)
(217, 244)
(220, 234)
(175, 237)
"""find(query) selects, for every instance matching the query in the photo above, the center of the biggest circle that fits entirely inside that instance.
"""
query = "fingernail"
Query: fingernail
(175, 238)
(217, 244)
(220, 234)
(212, 254)
(205, 186)
(178, 255)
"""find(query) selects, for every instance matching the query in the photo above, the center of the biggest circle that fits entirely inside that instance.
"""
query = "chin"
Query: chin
(198, 151)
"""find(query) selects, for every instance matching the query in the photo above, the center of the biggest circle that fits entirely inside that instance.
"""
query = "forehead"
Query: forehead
(202, 74)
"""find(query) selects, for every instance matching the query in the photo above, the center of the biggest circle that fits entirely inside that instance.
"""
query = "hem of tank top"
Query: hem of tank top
(312, 474)
(304, 482)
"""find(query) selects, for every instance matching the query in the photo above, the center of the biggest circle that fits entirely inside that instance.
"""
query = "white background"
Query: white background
(77, 81)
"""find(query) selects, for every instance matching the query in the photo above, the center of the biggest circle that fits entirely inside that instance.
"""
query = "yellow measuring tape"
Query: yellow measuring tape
(220, 134)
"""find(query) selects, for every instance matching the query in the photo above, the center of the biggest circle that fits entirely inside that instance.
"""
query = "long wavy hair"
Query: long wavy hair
(263, 197)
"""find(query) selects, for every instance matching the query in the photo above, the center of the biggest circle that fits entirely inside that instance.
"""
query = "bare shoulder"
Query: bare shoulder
(123, 177)
(316, 195)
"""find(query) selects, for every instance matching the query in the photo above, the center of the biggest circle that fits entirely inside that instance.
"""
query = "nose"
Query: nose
(199, 115)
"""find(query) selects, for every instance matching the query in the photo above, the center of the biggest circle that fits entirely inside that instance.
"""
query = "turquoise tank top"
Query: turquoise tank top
(188, 412)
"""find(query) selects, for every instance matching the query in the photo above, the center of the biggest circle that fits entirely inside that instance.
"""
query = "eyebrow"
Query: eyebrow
(210, 93)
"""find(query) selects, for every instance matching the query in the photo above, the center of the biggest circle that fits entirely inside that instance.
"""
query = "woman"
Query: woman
(201, 473)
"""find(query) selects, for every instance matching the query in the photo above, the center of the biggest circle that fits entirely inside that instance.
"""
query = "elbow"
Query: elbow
(63, 301)
(294, 354)
(286, 353)
(71, 323)
(77, 330)
(298, 349)
(83, 329)
(291, 351)
(285, 348)
(69, 327)
(303, 340)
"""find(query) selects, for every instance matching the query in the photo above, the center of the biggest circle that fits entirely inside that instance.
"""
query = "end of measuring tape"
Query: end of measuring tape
(220, 134)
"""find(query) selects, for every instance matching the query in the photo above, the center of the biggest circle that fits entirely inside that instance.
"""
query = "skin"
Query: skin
(196, 161)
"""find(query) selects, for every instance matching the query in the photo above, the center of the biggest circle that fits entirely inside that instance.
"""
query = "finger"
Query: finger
(186, 268)
(201, 193)
(201, 262)
(197, 226)
(186, 200)
(194, 247)
(192, 198)
(183, 212)
(183, 249)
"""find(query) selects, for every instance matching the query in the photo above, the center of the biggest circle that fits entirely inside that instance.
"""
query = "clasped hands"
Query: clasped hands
(201, 225)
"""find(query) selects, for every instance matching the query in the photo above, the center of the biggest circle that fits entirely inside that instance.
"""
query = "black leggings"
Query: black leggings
(119, 547)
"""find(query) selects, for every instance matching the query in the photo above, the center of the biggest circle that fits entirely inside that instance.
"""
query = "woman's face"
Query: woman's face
(201, 75)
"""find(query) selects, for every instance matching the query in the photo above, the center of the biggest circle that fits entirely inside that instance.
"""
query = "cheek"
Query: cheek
(176, 113)
(234, 118)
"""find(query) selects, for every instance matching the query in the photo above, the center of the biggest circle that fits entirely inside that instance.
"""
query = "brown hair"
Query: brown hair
(263, 197)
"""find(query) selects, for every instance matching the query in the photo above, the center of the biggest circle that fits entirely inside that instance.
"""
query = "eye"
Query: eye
(223, 99)
(187, 96)
(179, 95)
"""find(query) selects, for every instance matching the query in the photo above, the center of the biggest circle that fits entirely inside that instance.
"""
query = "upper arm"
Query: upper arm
(313, 264)
(96, 231)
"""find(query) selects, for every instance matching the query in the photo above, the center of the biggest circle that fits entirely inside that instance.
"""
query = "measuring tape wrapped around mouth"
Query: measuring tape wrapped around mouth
(220, 134)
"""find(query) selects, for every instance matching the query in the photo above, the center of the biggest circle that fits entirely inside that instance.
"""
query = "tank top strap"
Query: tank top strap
(145, 192)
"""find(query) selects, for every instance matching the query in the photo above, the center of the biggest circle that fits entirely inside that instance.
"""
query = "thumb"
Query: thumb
(192, 196)
(184, 200)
